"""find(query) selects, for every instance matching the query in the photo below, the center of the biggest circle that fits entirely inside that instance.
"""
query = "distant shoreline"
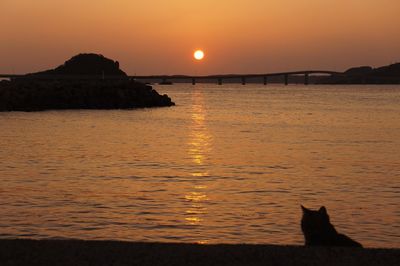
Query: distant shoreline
(389, 74)
(79, 252)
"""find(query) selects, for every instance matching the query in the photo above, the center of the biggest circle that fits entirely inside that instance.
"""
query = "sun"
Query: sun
(198, 55)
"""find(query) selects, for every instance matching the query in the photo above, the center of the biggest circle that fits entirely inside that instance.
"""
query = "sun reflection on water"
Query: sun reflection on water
(199, 148)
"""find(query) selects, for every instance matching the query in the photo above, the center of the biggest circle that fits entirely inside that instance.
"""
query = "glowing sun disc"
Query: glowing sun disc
(198, 55)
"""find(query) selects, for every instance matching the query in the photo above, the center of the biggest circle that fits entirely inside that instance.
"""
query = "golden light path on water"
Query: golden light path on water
(199, 147)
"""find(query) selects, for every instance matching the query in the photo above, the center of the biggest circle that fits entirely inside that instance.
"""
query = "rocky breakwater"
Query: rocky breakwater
(86, 81)
(37, 95)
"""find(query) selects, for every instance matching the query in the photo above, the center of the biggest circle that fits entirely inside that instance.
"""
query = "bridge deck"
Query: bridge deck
(164, 78)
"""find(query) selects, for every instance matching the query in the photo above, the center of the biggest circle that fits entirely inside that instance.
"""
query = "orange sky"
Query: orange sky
(238, 36)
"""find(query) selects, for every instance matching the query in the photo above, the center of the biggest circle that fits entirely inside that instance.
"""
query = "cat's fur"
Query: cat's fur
(318, 231)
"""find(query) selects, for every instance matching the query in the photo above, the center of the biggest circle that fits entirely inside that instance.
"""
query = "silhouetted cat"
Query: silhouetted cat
(318, 231)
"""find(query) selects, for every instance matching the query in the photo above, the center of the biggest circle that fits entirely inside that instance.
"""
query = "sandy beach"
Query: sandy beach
(78, 252)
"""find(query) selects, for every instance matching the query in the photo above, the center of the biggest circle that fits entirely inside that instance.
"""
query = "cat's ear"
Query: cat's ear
(323, 210)
(304, 208)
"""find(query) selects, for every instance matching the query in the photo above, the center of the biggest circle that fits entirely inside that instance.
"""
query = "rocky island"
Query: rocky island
(86, 81)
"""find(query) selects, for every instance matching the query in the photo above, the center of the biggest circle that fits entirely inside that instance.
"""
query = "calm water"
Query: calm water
(228, 164)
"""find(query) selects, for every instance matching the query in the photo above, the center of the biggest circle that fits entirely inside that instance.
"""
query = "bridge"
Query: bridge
(193, 79)
(242, 77)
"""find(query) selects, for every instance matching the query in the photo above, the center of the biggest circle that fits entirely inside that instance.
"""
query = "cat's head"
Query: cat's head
(315, 219)
(321, 211)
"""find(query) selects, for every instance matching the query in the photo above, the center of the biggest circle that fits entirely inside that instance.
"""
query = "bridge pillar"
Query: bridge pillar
(243, 81)
(286, 79)
(219, 81)
(306, 78)
(193, 81)
(265, 80)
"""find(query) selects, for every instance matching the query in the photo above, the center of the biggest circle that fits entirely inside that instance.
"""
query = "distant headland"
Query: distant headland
(365, 75)
(79, 84)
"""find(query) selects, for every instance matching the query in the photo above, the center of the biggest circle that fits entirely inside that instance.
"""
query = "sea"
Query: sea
(228, 164)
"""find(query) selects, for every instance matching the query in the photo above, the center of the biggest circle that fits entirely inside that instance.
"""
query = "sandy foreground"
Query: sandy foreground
(78, 252)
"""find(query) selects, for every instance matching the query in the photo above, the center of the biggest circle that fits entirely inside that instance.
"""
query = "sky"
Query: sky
(237, 36)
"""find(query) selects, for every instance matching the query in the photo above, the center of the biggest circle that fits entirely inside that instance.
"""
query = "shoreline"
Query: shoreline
(93, 252)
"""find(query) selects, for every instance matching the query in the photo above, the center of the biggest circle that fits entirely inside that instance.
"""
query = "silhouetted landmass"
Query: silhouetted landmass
(79, 84)
(362, 70)
(76, 252)
(37, 95)
(86, 64)
(366, 75)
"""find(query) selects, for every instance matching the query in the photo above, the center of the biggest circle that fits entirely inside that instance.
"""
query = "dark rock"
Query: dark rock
(36, 95)
(65, 88)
